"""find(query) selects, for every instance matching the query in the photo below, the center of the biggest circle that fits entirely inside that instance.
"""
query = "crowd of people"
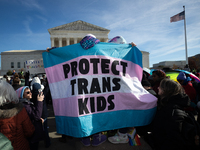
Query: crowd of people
(23, 110)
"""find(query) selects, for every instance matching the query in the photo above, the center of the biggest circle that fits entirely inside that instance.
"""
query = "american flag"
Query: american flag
(178, 17)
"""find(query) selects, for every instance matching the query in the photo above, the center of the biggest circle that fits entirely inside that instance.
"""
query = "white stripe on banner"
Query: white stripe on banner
(96, 85)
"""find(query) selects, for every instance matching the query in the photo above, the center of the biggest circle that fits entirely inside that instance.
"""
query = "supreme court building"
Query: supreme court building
(60, 36)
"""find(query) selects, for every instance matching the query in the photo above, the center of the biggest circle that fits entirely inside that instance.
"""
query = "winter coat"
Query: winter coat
(35, 113)
(5, 143)
(16, 125)
(190, 91)
(166, 132)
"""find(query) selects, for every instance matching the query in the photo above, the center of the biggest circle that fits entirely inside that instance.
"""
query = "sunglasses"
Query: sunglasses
(28, 92)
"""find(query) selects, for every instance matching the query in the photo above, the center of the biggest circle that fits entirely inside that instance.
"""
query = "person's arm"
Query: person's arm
(48, 49)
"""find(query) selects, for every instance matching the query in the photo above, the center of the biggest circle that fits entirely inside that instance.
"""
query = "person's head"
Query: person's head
(24, 92)
(16, 75)
(145, 83)
(118, 40)
(169, 88)
(89, 41)
(35, 80)
(181, 77)
(27, 93)
(158, 74)
(5, 76)
(16, 81)
(7, 94)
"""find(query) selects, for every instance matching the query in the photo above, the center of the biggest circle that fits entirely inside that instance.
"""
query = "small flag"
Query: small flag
(178, 17)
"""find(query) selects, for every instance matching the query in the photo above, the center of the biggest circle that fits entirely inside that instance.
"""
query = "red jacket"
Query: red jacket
(16, 126)
(190, 91)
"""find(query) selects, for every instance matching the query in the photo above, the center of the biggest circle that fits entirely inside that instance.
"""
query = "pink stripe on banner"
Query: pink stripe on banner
(56, 73)
(122, 101)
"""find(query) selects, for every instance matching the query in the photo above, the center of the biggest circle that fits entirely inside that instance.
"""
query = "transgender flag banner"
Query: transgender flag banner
(98, 89)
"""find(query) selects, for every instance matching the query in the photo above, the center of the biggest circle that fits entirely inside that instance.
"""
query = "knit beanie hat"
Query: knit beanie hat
(37, 87)
(89, 41)
(118, 40)
(20, 91)
(181, 76)
(35, 80)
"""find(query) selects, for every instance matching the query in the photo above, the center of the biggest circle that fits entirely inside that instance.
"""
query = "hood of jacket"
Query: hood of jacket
(10, 110)
(180, 100)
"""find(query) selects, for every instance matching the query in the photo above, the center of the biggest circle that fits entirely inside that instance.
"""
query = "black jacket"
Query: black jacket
(166, 132)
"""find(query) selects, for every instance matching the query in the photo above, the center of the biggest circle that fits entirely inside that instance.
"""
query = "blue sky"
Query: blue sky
(24, 23)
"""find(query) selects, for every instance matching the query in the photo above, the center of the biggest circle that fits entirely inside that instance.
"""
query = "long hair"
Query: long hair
(7, 94)
(160, 73)
(170, 88)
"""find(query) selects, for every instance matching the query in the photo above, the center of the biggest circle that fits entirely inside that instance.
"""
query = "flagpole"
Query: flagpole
(185, 39)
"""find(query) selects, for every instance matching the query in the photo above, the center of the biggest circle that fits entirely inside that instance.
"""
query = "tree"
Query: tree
(9, 72)
(192, 64)
(175, 66)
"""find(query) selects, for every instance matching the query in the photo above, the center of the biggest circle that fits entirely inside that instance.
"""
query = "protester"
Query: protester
(22, 78)
(15, 76)
(13, 73)
(43, 80)
(26, 76)
(16, 83)
(158, 76)
(14, 121)
(38, 89)
(121, 136)
(166, 132)
(34, 112)
(189, 89)
(47, 93)
(86, 43)
(5, 77)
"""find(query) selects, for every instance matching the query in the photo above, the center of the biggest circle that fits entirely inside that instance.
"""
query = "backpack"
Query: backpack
(189, 128)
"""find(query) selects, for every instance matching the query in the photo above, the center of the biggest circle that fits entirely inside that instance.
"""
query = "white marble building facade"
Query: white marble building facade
(60, 36)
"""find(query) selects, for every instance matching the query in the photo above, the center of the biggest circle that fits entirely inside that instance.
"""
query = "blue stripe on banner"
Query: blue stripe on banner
(88, 125)
(121, 51)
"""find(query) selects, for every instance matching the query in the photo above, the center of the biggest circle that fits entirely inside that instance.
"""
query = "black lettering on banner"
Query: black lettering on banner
(95, 87)
(92, 104)
(66, 69)
(84, 66)
(82, 86)
(117, 85)
(112, 105)
(82, 106)
(105, 65)
(72, 85)
(101, 103)
(74, 68)
(124, 64)
(113, 67)
(106, 84)
(95, 62)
